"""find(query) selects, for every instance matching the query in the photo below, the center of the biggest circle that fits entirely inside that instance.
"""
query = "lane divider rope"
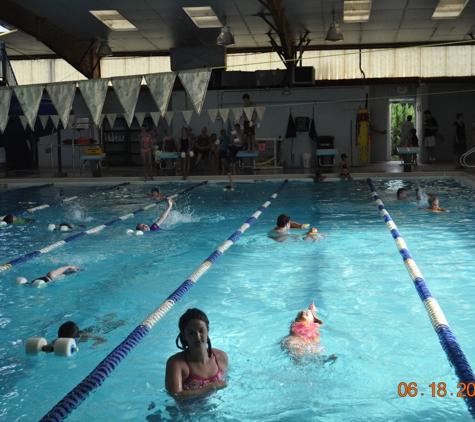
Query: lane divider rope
(95, 379)
(69, 239)
(19, 190)
(447, 338)
(61, 201)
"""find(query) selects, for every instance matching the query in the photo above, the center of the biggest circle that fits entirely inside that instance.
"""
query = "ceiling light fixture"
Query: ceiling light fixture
(225, 38)
(356, 11)
(334, 34)
(203, 17)
(104, 50)
(114, 20)
(449, 9)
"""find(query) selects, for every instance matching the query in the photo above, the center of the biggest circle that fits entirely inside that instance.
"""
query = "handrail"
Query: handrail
(464, 157)
(447, 338)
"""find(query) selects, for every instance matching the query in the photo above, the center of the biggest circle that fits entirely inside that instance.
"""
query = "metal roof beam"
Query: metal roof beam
(82, 57)
(283, 31)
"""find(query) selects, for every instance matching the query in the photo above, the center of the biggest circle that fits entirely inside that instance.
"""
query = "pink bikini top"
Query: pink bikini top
(193, 382)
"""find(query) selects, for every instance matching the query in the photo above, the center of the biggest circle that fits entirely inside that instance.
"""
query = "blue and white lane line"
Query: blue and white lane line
(447, 338)
(69, 239)
(78, 394)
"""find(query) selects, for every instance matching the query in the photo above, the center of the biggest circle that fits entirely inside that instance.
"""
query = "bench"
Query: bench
(326, 152)
(407, 153)
(95, 162)
(167, 156)
(253, 155)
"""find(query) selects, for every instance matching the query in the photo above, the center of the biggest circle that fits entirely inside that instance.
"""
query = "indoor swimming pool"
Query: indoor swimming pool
(374, 320)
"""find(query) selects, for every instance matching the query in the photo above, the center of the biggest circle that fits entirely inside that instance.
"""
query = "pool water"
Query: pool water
(374, 320)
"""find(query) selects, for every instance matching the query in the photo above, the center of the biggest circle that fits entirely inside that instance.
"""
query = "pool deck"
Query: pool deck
(389, 169)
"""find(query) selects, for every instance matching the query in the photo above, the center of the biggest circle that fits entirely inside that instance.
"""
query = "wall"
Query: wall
(334, 110)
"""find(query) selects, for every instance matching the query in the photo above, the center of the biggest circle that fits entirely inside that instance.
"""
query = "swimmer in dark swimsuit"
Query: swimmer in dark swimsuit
(345, 168)
(58, 272)
(199, 368)
(156, 225)
(185, 146)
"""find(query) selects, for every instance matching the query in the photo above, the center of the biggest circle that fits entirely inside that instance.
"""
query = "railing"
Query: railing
(463, 158)
(6, 72)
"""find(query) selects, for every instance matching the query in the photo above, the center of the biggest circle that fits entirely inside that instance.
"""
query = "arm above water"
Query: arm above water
(162, 218)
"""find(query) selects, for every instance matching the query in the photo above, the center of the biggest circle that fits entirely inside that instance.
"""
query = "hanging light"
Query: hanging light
(334, 34)
(104, 50)
(225, 38)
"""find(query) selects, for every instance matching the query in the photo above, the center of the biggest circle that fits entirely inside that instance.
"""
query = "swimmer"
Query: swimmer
(304, 335)
(281, 232)
(70, 330)
(58, 272)
(199, 368)
(319, 177)
(345, 168)
(156, 225)
(231, 183)
(402, 194)
(64, 227)
(12, 219)
(434, 205)
(155, 194)
(313, 234)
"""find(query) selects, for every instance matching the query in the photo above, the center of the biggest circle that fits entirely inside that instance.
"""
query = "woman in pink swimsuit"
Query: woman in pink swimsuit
(199, 368)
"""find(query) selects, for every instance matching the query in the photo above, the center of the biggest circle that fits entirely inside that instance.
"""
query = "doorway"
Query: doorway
(399, 109)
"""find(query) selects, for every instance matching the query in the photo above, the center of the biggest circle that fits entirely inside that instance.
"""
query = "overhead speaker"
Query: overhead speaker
(303, 75)
(198, 58)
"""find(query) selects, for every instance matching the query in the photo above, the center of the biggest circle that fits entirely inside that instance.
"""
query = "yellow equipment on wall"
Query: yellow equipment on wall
(363, 136)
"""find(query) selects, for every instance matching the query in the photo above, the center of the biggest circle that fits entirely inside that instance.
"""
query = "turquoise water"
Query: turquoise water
(374, 320)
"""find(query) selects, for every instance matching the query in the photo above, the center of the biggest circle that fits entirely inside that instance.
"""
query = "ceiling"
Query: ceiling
(163, 24)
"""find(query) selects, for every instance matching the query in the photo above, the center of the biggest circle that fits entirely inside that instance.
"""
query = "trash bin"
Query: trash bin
(306, 160)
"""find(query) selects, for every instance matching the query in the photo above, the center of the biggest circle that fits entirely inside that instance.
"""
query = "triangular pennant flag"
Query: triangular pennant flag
(24, 121)
(62, 96)
(237, 114)
(5, 97)
(101, 120)
(249, 111)
(161, 87)
(111, 118)
(140, 118)
(44, 121)
(224, 113)
(94, 92)
(155, 115)
(127, 90)
(29, 97)
(213, 112)
(55, 120)
(260, 112)
(169, 117)
(187, 115)
(196, 84)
